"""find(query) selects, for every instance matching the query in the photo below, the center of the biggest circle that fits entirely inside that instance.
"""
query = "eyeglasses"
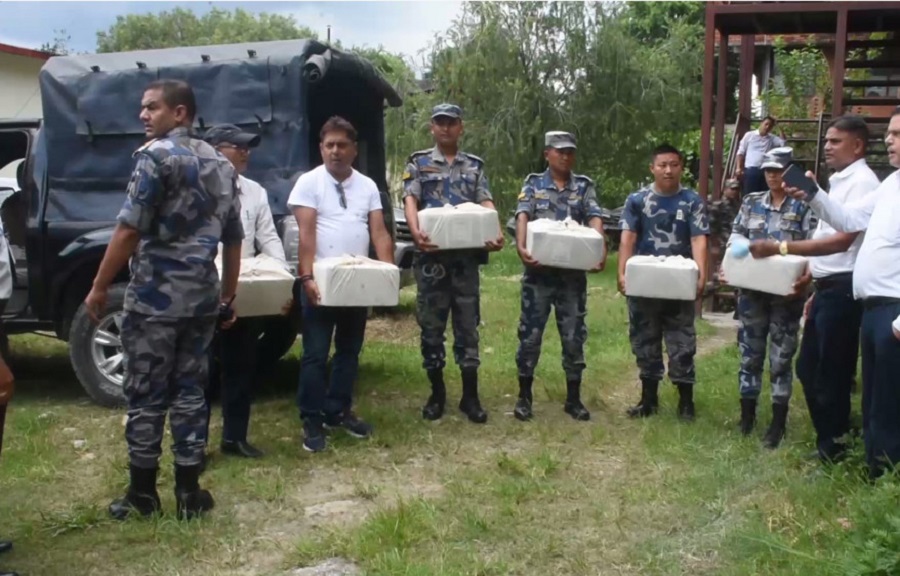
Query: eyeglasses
(343, 197)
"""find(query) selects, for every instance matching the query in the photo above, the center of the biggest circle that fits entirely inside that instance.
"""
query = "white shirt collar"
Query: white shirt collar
(849, 170)
(333, 180)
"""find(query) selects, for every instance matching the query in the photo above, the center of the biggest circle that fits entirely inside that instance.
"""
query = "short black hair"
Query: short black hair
(896, 112)
(338, 124)
(854, 125)
(769, 117)
(665, 149)
(176, 93)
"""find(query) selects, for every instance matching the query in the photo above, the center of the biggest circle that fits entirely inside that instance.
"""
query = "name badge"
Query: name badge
(680, 215)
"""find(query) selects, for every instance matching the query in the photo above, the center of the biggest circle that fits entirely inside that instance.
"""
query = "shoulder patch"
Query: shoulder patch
(473, 157)
(582, 177)
(143, 147)
(418, 153)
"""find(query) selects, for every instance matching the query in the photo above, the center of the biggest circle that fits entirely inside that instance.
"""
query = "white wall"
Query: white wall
(19, 96)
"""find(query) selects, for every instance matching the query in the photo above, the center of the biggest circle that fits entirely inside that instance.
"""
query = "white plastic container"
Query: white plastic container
(772, 275)
(466, 225)
(357, 281)
(264, 286)
(564, 244)
(664, 277)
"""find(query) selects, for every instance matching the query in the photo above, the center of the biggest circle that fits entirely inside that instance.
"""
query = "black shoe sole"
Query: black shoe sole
(641, 412)
(581, 415)
(523, 417)
(475, 417)
(432, 412)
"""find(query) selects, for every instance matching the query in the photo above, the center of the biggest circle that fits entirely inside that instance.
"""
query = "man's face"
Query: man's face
(892, 141)
(774, 178)
(338, 151)
(732, 194)
(157, 117)
(446, 130)
(666, 170)
(766, 126)
(237, 154)
(560, 159)
(841, 149)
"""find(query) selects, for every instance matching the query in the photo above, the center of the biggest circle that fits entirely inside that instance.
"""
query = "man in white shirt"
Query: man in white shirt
(876, 281)
(237, 346)
(338, 211)
(828, 353)
(752, 148)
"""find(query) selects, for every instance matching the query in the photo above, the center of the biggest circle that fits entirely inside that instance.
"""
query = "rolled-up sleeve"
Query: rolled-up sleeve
(144, 195)
(411, 185)
(699, 218)
(631, 215)
(482, 188)
(525, 203)
(232, 229)
(590, 205)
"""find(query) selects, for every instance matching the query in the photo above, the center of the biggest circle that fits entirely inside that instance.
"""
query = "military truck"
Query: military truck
(76, 163)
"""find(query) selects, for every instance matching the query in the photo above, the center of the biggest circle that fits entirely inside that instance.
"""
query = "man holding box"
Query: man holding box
(829, 348)
(664, 219)
(775, 218)
(447, 280)
(556, 194)
(338, 211)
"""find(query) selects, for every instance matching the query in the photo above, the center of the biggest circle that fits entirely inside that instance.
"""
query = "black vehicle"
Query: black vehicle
(77, 162)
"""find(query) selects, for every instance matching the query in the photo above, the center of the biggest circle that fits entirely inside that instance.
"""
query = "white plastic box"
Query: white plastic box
(772, 275)
(465, 225)
(564, 244)
(664, 277)
(357, 281)
(264, 286)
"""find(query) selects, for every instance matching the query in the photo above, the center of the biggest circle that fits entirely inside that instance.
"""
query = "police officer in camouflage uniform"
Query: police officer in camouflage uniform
(773, 216)
(664, 219)
(448, 281)
(556, 194)
(182, 200)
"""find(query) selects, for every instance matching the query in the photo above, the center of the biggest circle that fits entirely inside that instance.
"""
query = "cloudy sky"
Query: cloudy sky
(405, 27)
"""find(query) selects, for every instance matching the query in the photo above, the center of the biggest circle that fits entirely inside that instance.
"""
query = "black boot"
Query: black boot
(649, 402)
(522, 410)
(686, 402)
(190, 498)
(434, 407)
(469, 404)
(573, 406)
(776, 430)
(141, 497)
(748, 415)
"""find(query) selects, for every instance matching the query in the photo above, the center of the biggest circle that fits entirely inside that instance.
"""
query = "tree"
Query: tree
(182, 27)
(59, 45)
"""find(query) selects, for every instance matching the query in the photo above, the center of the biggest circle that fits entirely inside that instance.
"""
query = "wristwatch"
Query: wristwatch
(783, 248)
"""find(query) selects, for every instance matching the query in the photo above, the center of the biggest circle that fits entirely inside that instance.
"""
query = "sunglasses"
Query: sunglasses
(343, 197)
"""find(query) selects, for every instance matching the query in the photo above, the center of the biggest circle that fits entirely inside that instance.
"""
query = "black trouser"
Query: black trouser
(237, 350)
(881, 384)
(826, 365)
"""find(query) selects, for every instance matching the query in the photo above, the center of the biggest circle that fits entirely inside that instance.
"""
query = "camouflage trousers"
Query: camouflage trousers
(167, 363)
(765, 317)
(566, 292)
(650, 321)
(448, 282)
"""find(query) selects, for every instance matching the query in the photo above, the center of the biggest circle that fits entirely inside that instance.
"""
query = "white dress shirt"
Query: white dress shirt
(754, 146)
(259, 229)
(877, 271)
(852, 184)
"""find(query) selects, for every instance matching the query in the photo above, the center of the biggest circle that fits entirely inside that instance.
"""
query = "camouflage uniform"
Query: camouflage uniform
(564, 290)
(447, 280)
(182, 199)
(763, 315)
(664, 226)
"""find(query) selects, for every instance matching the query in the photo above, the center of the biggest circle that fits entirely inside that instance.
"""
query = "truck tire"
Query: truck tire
(96, 350)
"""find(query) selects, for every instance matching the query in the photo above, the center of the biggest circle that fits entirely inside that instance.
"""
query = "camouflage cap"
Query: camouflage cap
(732, 183)
(559, 140)
(778, 158)
(230, 134)
(449, 110)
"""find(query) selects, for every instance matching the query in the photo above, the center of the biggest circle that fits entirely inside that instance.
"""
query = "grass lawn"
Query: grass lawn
(553, 496)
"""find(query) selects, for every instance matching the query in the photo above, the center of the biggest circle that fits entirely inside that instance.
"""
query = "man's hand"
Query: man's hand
(286, 309)
(496, 244)
(7, 383)
(721, 275)
(801, 285)
(764, 249)
(622, 284)
(312, 292)
(527, 259)
(226, 324)
(739, 173)
(602, 264)
(95, 302)
(808, 306)
(423, 242)
(896, 333)
(701, 286)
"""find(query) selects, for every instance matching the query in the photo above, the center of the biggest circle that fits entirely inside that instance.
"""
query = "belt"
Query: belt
(833, 280)
(879, 301)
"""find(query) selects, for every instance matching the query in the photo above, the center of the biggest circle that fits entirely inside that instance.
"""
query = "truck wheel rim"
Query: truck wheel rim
(106, 348)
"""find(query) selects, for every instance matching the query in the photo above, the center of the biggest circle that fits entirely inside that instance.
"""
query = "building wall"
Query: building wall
(20, 96)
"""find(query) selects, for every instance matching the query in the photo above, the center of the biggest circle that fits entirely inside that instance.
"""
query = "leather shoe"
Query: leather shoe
(5, 546)
(240, 448)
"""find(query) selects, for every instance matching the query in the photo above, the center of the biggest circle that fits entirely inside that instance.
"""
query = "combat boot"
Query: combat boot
(190, 498)
(469, 404)
(748, 415)
(434, 407)
(775, 433)
(649, 402)
(573, 406)
(522, 410)
(686, 402)
(141, 497)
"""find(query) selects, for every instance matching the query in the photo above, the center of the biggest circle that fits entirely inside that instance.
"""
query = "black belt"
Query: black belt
(879, 301)
(833, 280)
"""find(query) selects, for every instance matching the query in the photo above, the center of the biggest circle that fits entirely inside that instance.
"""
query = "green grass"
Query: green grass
(613, 496)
